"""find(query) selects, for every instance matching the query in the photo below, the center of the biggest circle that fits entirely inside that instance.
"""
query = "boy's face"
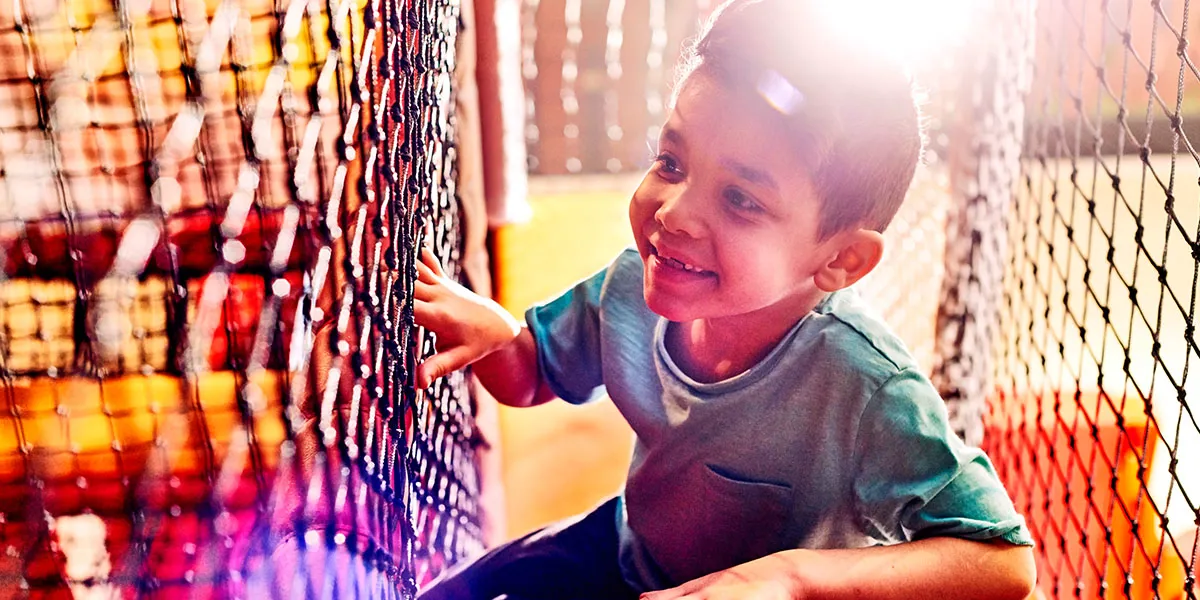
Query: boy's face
(726, 218)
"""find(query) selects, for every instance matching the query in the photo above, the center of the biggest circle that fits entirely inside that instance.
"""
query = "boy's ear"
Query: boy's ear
(861, 250)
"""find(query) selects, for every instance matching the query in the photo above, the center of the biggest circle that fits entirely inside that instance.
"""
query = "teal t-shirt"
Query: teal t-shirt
(834, 440)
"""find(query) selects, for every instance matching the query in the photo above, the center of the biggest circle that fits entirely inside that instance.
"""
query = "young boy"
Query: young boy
(787, 444)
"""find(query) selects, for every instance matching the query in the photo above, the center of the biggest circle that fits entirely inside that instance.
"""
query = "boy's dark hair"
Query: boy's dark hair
(852, 114)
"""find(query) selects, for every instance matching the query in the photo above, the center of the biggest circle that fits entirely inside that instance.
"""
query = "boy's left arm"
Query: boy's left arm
(940, 567)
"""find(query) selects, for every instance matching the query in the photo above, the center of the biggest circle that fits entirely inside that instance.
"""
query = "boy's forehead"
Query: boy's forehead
(707, 109)
(766, 89)
(704, 105)
(714, 102)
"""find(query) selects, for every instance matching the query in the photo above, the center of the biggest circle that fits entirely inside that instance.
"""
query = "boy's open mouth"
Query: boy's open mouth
(674, 263)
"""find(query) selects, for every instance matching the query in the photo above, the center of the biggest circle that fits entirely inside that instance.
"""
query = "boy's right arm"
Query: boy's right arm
(473, 330)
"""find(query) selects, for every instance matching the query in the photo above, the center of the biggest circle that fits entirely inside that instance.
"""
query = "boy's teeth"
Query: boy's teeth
(682, 265)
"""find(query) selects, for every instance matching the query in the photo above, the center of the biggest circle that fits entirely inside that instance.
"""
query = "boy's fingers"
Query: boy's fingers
(425, 273)
(423, 291)
(425, 314)
(433, 316)
(442, 364)
(431, 261)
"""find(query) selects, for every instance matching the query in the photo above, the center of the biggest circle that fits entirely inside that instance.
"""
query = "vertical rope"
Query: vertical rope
(982, 181)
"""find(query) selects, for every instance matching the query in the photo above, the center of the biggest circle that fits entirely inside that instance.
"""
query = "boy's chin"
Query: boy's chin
(669, 308)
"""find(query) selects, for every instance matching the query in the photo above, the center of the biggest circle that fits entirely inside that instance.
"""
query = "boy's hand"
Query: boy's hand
(772, 577)
(937, 567)
(468, 326)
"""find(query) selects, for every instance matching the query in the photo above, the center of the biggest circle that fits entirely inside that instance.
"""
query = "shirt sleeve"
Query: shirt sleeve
(917, 480)
(567, 332)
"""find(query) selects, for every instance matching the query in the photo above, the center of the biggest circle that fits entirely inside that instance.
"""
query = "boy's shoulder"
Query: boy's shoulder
(623, 279)
(627, 263)
(848, 326)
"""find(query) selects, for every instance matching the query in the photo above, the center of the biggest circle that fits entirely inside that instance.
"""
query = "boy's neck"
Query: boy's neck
(711, 350)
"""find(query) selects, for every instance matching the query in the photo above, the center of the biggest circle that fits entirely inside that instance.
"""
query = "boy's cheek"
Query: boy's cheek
(637, 214)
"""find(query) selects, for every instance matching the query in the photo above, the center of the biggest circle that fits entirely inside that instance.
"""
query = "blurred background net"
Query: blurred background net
(209, 216)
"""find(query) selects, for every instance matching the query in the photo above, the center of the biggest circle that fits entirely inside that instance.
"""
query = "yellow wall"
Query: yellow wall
(559, 460)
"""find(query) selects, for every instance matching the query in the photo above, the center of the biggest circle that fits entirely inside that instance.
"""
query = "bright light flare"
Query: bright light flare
(914, 31)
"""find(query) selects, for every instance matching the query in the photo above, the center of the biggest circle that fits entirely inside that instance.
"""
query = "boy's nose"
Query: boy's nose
(675, 216)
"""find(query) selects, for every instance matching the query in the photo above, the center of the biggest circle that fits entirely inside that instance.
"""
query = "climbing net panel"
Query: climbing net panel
(210, 213)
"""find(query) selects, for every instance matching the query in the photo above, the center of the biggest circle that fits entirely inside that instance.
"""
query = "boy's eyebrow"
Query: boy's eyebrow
(669, 134)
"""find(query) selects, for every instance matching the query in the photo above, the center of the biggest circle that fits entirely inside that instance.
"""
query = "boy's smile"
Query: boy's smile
(677, 268)
(726, 221)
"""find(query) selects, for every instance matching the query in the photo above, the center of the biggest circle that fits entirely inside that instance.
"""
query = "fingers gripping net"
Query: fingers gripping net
(210, 213)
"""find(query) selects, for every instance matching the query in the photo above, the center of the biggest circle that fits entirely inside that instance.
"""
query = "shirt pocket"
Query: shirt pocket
(747, 516)
(724, 519)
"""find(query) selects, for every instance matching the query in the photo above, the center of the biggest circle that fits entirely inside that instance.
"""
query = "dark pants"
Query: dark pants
(572, 560)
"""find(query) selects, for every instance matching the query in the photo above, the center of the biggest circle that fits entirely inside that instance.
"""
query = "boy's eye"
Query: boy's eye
(738, 199)
(666, 164)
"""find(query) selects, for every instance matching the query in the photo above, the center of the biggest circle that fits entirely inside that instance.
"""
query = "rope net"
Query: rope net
(1093, 424)
(210, 213)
